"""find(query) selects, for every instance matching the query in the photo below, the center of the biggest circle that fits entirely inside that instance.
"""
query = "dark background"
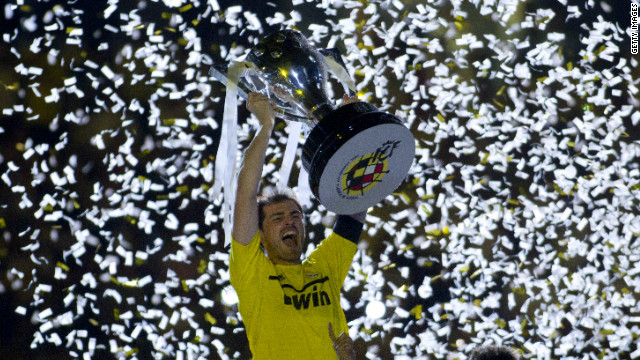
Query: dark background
(506, 266)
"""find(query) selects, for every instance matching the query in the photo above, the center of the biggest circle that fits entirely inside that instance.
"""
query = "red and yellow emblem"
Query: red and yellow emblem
(365, 172)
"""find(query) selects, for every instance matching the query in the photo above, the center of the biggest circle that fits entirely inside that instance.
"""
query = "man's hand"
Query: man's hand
(260, 105)
(343, 345)
(361, 216)
(348, 100)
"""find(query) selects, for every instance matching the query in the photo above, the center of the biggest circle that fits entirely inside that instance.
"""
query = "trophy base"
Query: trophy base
(356, 156)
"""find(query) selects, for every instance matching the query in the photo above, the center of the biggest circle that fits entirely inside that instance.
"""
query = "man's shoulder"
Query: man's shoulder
(334, 245)
(245, 259)
(253, 243)
(255, 238)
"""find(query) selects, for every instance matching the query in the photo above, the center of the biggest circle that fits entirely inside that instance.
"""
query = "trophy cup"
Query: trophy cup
(355, 154)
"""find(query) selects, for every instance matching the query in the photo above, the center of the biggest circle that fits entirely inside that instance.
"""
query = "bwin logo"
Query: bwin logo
(302, 301)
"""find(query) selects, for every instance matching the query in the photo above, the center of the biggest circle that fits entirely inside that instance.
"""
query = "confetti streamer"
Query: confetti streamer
(295, 129)
(226, 156)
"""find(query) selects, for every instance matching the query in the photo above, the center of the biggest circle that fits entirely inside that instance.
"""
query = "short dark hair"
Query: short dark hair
(277, 196)
(494, 353)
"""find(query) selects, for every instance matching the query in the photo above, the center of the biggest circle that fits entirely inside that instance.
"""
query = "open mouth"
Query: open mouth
(289, 238)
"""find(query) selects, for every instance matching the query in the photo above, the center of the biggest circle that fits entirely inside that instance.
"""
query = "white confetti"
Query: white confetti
(523, 196)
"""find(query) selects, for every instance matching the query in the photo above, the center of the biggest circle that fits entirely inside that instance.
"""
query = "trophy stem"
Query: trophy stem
(321, 111)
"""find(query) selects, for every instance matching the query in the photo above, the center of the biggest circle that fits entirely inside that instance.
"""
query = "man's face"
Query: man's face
(283, 232)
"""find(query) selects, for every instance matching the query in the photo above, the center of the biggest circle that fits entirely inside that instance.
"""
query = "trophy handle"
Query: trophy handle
(338, 68)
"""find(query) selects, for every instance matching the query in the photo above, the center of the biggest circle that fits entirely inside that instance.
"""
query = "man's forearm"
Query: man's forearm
(252, 163)
(245, 213)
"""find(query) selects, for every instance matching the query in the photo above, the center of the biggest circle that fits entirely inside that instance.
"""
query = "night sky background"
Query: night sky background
(518, 224)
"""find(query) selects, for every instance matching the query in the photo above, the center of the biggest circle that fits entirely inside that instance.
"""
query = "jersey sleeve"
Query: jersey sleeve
(243, 262)
(340, 247)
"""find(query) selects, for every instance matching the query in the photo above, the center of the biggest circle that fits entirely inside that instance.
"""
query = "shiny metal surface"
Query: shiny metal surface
(293, 74)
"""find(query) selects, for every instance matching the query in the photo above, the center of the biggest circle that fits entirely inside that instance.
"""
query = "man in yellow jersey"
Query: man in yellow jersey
(286, 303)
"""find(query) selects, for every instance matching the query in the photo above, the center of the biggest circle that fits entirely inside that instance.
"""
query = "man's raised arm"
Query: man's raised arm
(245, 213)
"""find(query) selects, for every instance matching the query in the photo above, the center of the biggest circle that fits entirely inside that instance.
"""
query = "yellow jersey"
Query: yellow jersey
(286, 309)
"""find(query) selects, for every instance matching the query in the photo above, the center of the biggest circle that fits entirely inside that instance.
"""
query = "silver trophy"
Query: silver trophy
(355, 154)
